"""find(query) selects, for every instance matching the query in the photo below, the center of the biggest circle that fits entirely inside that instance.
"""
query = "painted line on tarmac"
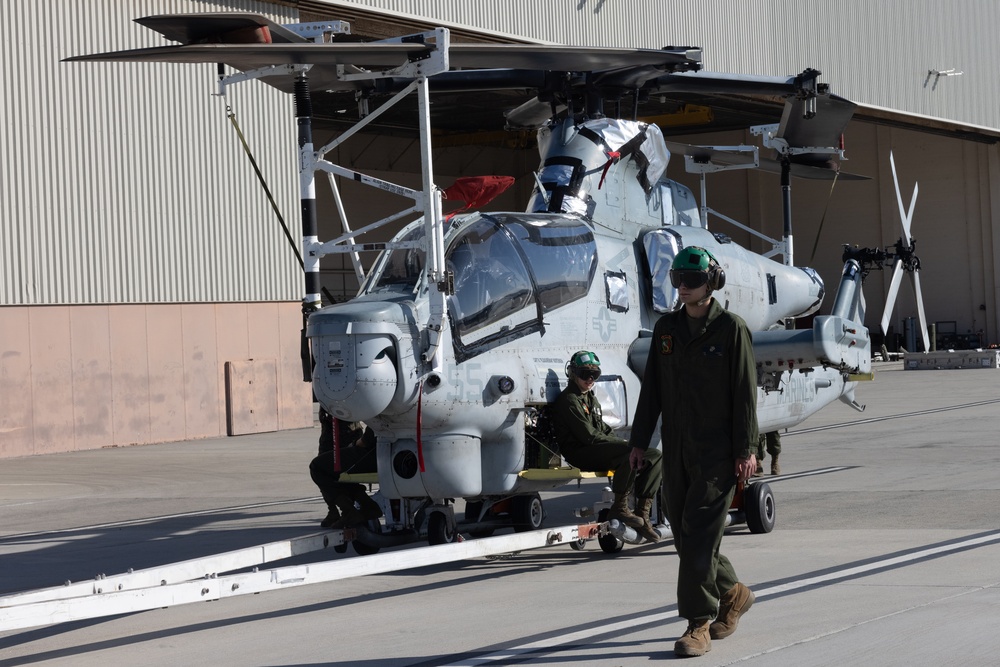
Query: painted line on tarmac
(587, 637)
(872, 420)
(797, 475)
(150, 519)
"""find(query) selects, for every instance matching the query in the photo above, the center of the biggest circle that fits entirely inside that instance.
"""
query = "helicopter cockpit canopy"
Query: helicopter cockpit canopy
(510, 269)
(399, 269)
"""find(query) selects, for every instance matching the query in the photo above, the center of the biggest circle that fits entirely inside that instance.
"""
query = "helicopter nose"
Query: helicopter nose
(355, 376)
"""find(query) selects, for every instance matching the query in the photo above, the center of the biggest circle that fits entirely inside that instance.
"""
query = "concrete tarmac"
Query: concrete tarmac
(891, 561)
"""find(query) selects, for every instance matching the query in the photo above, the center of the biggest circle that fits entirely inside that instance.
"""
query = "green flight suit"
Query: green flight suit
(705, 387)
(588, 443)
(770, 441)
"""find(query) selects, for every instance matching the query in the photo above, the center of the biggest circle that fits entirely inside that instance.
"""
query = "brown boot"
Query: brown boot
(775, 468)
(646, 531)
(620, 510)
(733, 604)
(760, 469)
(694, 641)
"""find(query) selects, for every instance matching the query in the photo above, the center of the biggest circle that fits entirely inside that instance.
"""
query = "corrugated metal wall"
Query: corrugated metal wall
(877, 53)
(126, 183)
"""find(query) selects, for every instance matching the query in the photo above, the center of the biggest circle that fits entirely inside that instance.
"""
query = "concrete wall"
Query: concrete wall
(85, 377)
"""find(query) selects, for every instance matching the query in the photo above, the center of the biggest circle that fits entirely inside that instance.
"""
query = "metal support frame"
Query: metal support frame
(427, 201)
(695, 166)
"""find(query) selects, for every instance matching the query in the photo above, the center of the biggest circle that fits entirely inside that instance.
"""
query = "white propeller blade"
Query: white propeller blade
(920, 311)
(904, 216)
(890, 299)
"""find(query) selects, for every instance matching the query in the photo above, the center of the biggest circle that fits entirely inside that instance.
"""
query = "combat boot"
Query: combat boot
(349, 515)
(760, 469)
(775, 468)
(646, 531)
(369, 509)
(694, 641)
(331, 517)
(620, 510)
(733, 604)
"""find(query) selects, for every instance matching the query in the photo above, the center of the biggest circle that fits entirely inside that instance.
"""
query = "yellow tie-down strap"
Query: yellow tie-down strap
(552, 474)
(359, 477)
(533, 474)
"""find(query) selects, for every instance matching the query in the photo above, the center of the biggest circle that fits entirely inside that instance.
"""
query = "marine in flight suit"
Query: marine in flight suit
(701, 377)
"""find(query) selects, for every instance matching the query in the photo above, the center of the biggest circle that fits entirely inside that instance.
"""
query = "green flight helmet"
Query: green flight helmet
(694, 260)
(583, 361)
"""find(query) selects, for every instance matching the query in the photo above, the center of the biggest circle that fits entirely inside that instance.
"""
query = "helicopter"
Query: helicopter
(458, 337)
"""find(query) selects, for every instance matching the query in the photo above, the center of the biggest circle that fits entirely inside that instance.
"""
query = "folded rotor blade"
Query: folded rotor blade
(532, 114)
(890, 299)
(920, 311)
(904, 216)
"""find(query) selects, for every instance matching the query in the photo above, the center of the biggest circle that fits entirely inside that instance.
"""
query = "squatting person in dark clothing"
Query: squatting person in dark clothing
(588, 443)
(347, 502)
(701, 377)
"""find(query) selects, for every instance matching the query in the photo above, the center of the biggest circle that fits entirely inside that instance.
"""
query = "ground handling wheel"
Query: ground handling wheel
(609, 543)
(758, 504)
(527, 512)
(438, 529)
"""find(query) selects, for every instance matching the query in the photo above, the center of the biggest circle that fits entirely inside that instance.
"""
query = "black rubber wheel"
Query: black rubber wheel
(363, 548)
(758, 504)
(609, 543)
(527, 512)
(438, 530)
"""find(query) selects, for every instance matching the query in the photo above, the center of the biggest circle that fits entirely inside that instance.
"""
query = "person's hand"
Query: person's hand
(745, 468)
(637, 458)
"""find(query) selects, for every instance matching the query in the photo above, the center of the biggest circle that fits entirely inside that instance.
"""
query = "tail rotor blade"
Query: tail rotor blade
(904, 215)
(920, 311)
(890, 299)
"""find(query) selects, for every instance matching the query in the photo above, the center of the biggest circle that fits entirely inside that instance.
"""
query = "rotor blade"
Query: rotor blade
(920, 311)
(216, 27)
(824, 129)
(380, 55)
(532, 114)
(904, 216)
(890, 299)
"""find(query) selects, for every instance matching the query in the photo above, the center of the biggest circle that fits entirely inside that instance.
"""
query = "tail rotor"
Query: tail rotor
(905, 259)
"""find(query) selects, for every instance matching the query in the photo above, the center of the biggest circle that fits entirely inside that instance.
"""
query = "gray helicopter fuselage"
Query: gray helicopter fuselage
(583, 268)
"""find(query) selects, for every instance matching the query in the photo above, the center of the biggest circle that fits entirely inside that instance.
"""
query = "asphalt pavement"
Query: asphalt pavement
(889, 560)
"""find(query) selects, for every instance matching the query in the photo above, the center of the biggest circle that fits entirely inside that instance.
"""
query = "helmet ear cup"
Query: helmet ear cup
(716, 277)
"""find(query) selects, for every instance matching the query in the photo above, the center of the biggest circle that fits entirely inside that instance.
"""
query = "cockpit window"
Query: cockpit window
(491, 281)
(562, 256)
(511, 269)
(399, 269)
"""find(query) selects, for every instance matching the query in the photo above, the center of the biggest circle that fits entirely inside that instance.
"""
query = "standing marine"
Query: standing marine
(701, 378)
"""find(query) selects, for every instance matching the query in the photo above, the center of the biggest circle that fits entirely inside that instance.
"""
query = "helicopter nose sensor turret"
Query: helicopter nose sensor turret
(355, 349)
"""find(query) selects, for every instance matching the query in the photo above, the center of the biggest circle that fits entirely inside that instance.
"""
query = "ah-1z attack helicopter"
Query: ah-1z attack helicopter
(459, 335)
